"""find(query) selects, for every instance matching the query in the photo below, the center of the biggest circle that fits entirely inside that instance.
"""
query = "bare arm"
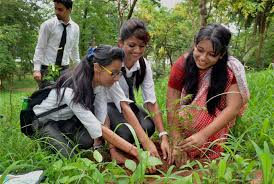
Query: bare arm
(118, 142)
(40, 48)
(234, 103)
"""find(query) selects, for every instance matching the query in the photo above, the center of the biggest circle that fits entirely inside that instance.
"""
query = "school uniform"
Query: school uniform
(148, 94)
(48, 46)
(73, 124)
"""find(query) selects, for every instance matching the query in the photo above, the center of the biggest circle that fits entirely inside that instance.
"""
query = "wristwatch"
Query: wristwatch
(162, 133)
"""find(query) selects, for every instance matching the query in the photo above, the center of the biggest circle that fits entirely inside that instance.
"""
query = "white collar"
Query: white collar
(62, 22)
(134, 68)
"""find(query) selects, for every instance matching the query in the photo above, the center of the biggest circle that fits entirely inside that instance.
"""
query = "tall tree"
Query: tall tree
(262, 20)
(19, 22)
(125, 9)
(98, 21)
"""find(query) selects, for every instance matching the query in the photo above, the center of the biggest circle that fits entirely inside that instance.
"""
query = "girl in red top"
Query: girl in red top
(211, 89)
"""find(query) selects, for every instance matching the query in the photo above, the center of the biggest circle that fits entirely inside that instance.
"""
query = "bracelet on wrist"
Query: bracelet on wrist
(162, 133)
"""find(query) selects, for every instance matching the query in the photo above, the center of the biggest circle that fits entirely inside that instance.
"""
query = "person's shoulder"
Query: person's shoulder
(74, 24)
(234, 59)
(147, 62)
(181, 60)
(234, 63)
(50, 21)
(49, 24)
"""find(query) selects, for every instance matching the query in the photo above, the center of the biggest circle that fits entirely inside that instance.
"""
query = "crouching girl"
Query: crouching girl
(83, 90)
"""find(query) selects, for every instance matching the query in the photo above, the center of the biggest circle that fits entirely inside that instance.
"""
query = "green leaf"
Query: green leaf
(153, 161)
(249, 168)
(184, 180)
(69, 167)
(123, 181)
(228, 174)
(266, 161)
(196, 177)
(222, 167)
(75, 178)
(65, 179)
(97, 156)
(144, 155)
(131, 165)
(57, 165)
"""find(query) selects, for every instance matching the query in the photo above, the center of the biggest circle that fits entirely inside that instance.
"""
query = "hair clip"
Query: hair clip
(90, 53)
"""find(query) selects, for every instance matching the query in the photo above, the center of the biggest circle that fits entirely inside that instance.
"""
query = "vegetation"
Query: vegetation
(172, 30)
(249, 150)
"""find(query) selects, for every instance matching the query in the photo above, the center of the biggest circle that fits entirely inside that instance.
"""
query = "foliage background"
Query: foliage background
(172, 30)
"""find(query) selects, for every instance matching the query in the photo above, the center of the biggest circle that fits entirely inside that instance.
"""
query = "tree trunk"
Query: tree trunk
(170, 59)
(131, 9)
(203, 13)
(1, 85)
(120, 12)
(262, 26)
(261, 21)
(83, 41)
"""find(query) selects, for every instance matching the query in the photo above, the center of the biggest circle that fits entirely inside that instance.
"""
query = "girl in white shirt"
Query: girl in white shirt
(83, 90)
(137, 73)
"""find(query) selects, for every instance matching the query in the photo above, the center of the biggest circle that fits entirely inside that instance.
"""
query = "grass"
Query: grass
(249, 148)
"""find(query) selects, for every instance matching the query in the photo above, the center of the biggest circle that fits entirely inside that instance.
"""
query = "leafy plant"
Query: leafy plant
(53, 73)
(266, 162)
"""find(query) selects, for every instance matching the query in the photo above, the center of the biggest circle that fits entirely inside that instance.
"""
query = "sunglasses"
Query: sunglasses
(111, 73)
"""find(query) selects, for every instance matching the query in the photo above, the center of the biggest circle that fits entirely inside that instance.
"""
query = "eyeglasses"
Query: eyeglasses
(111, 73)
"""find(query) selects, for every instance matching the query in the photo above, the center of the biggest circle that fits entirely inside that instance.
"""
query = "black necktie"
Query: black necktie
(61, 46)
(129, 81)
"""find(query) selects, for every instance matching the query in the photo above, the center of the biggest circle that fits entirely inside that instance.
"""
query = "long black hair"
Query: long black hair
(138, 29)
(219, 37)
(80, 79)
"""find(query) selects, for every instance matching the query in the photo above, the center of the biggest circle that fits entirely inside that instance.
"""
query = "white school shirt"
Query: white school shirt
(147, 86)
(92, 122)
(50, 34)
(116, 95)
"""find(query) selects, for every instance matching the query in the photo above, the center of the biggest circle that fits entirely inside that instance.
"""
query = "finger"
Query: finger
(169, 155)
(156, 154)
(164, 153)
(186, 146)
(173, 155)
(171, 161)
(187, 140)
